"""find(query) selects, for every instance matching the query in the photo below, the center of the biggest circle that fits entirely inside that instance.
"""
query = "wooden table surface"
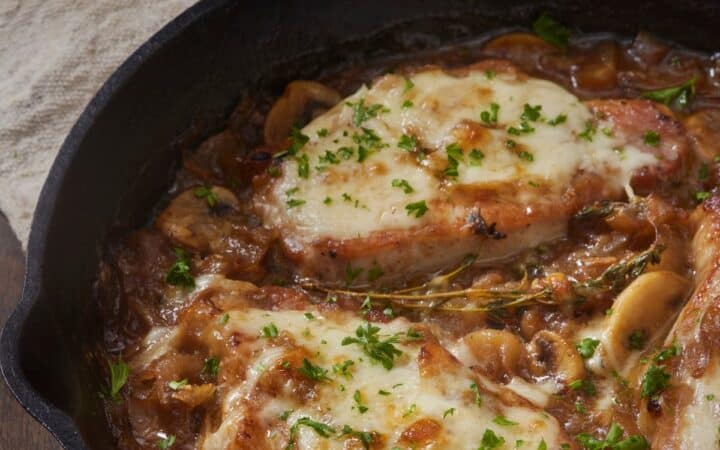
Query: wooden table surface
(18, 431)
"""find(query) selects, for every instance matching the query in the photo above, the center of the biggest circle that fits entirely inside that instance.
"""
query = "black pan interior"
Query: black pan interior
(119, 158)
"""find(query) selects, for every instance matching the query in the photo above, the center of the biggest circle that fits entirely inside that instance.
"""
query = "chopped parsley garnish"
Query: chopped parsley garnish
(418, 208)
(651, 138)
(702, 195)
(345, 153)
(285, 415)
(206, 193)
(211, 366)
(583, 385)
(365, 437)
(294, 202)
(543, 445)
(654, 381)
(551, 31)
(225, 318)
(674, 95)
(503, 421)
(327, 200)
(309, 316)
(489, 74)
(179, 274)
(509, 143)
(374, 273)
(273, 171)
(589, 131)
(613, 441)
(357, 397)
(703, 172)
(313, 372)
(368, 338)
(531, 113)
(119, 373)
(303, 163)
(560, 118)
(587, 347)
(525, 128)
(410, 411)
(408, 85)
(408, 143)
(454, 156)
(580, 408)
(352, 273)
(297, 141)
(362, 112)
(403, 184)
(319, 428)
(637, 339)
(166, 442)
(476, 390)
(490, 117)
(455, 151)
(292, 191)
(368, 143)
(490, 440)
(413, 335)
(527, 156)
(175, 385)
(322, 132)
(407, 104)
(667, 353)
(475, 157)
(328, 158)
(344, 368)
(449, 412)
(383, 392)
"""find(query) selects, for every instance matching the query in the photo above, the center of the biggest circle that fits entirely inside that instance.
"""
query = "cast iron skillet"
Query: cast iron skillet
(117, 160)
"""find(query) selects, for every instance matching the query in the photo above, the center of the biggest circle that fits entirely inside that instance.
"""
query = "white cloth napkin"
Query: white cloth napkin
(54, 56)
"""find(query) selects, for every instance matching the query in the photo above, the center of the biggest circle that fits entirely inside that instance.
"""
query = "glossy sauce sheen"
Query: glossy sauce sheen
(254, 334)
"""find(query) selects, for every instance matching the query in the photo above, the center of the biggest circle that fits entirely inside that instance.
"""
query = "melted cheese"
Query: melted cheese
(395, 398)
(409, 397)
(446, 109)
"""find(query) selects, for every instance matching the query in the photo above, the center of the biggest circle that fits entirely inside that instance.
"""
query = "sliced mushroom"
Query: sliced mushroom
(209, 222)
(551, 354)
(297, 103)
(523, 49)
(704, 130)
(191, 218)
(498, 353)
(646, 307)
(195, 395)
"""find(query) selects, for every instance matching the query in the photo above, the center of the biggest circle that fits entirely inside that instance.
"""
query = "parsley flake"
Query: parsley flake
(654, 381)
(362, 113)
(166, 442)
(651, 138)
(119, 373)
(208, 194)
(678, 96)
(313, 372)
(490, 440)
(418, 208)
(357, 397)
(179, 273)
(587, 347)
(403, 184)
(211, 366)
(491, 116)
(175, 385)
(551, 31)
(368, 338)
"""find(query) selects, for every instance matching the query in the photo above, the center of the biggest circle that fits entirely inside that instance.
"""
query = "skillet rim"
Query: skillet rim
(59, 423)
